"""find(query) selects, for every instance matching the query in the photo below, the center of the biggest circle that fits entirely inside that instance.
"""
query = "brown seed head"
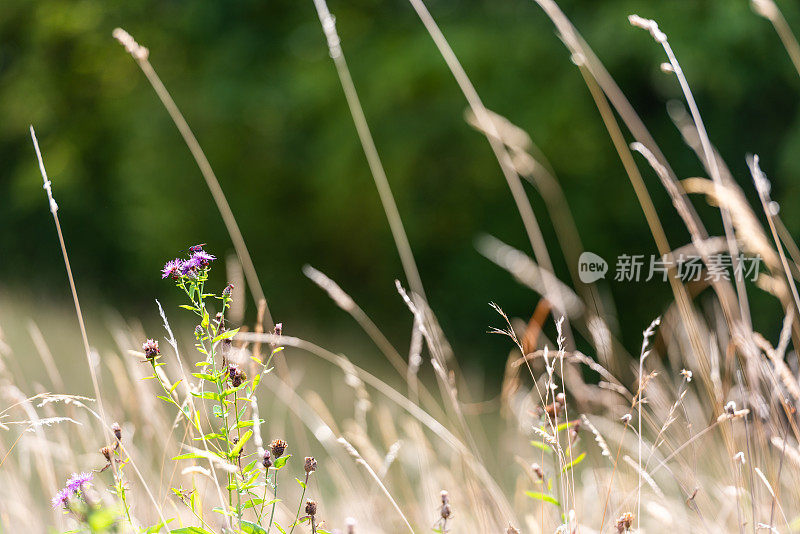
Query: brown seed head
(117, 430)
(278, 447)
(311, 508)
(310, 465)
(512, 530)
(106, 452)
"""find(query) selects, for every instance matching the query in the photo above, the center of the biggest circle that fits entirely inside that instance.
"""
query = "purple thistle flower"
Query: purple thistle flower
(171, 269)
(189, 266)
(60, 499)
(77, 480)
(202, 258)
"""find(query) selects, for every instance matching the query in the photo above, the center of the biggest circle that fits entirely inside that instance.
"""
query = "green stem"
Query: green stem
(302, 495)
(275, 496)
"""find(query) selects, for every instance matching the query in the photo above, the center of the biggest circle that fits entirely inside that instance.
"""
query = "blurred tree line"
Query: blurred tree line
(255, 82)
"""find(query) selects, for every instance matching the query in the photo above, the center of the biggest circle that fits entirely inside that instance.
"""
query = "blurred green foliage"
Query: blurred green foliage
(256, 84)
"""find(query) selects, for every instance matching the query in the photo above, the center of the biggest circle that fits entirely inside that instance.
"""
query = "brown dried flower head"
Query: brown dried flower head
(278, 447)
(310, 465)
(311, 508)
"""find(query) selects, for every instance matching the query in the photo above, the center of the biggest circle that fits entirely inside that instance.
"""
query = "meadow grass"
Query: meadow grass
(236, 427)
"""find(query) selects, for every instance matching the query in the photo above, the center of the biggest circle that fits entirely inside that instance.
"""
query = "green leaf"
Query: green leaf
(249, 467)
(190, 530)
(218, 411)
(574, 462)
(205, 376)
(205, 321)
(542, 497)
(252, 528)
(175, 385)
(237, 449)
(231, 390)
(280, 462)
(225, 335)
(166, 399)
(301, 483)
(207, 395)
(155, 529)
(244, 424)
(252, 502)
(565, 425)
(541, 445)
(280, 528)
(188, 455)
(187, 307)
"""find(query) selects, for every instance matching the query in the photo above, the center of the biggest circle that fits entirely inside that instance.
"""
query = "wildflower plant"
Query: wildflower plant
(224, 386)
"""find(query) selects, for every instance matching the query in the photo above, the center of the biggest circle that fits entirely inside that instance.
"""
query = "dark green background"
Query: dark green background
(256, 84)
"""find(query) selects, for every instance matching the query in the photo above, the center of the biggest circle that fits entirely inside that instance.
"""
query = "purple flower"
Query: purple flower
(61, 498)
(189, 267)
(150, 349)
(77, 480)
(74, 485)
(202, 258)
(171, 269)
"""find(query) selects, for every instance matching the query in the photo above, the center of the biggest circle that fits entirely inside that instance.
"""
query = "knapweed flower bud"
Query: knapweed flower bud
(267, 461)
(228, 290)
(624, 522)
(311, 508)
(106, 452)
(278, 447)
(626, 418)
(198, 332)
(310, 465)
(730, 408)
(150, 349)
(279, 329)
(512, 530)
(117, 430)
